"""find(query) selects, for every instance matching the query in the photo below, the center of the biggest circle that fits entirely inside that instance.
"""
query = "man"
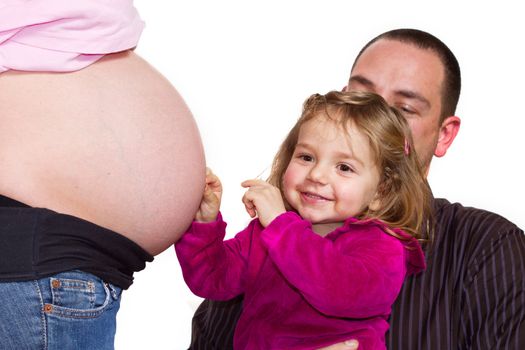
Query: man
(472, 295)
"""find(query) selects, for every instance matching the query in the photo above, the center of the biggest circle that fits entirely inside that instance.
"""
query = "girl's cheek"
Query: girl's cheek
(289, 178)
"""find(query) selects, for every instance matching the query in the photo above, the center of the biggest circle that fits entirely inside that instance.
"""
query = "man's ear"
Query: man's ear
(344, 88)
(447, 133)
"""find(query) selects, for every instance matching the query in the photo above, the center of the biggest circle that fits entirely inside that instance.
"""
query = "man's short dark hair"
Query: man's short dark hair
(452, 81)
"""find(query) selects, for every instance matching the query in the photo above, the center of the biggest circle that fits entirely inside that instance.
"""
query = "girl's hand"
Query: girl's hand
(211, 199)
(263, 200)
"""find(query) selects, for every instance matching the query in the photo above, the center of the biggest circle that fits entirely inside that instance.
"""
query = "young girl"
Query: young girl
(335, 235)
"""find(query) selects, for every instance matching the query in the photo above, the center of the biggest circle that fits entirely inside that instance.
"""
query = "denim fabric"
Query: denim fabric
(70, 310)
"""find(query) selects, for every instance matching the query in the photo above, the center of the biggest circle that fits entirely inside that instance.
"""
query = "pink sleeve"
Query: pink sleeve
(213, 268)
(357, 275)
(64, 35)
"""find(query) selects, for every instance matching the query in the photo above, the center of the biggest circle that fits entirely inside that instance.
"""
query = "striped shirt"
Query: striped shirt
(471, 296)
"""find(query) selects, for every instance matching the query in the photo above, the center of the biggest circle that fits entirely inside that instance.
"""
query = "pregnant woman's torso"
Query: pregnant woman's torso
(113, 144)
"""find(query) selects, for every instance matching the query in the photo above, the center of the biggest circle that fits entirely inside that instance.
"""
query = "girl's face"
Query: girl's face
(332, 174)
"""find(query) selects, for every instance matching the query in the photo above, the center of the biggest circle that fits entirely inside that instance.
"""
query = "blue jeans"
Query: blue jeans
(70, 310)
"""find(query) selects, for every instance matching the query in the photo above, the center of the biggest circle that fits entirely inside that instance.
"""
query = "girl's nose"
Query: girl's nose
(318, 174)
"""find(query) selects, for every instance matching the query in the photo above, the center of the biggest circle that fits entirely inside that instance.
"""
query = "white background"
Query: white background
(245, 67)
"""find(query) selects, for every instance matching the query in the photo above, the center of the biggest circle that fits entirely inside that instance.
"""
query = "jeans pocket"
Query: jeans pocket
(76, 294)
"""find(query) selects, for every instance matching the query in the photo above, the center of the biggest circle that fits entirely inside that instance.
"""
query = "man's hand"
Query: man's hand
(211, 199)
(263, 200)
(347, 345)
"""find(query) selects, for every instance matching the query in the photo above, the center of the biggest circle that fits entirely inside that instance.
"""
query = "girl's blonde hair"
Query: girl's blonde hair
(403, 193)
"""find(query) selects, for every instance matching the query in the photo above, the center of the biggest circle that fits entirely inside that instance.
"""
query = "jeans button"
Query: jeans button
(55, 283)
(48, 308)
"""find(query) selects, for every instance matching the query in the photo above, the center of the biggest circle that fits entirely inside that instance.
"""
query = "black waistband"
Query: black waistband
(9, 202)
(38, 242)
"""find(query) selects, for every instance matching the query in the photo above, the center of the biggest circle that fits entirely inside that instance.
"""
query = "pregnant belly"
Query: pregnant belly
(114, 144)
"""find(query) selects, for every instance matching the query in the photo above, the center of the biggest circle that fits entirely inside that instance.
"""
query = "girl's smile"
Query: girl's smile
(332, 174)
(313, 198)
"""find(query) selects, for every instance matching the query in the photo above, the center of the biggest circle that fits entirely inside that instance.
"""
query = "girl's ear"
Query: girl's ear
(375, 204)
(447, 133)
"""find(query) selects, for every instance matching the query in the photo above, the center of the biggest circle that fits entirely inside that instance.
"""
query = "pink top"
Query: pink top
(301, 290)
(64, 35)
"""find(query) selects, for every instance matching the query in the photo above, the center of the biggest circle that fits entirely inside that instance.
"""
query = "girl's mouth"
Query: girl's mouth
(309, 196)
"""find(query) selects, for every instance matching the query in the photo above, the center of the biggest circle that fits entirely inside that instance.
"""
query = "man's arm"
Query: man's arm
(213, 324)
(472, 294)
(493, 311)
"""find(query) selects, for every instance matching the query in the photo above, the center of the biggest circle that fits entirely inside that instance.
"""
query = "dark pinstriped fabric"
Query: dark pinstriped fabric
(213, 324)
(472, 295)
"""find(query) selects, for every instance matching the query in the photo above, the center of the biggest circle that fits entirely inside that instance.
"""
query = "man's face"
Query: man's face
(410, 79)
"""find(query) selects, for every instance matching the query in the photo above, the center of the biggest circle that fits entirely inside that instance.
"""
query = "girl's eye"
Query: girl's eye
(345, 168)
(306, 157)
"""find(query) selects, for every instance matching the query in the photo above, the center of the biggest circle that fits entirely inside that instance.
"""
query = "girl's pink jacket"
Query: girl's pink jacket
(301, 290)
